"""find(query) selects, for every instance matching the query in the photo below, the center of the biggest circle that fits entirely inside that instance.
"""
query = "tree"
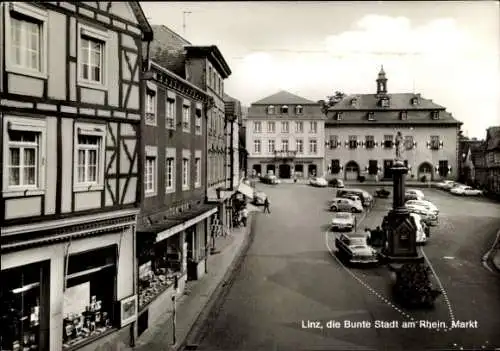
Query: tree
(331, 100)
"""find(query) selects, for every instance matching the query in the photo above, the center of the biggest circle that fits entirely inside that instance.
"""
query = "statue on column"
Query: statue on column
(399, 145)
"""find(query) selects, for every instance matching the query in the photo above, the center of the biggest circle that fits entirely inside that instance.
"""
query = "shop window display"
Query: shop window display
(23, 300)
(159, 269)
(89, 297)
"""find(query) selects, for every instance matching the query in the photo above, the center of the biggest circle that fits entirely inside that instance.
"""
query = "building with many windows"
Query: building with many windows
(361, 131)
(492, 157)
(70, 111)
(205, 67)
(285, 136)
(172, 229)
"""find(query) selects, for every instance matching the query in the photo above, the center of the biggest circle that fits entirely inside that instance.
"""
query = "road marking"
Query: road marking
(448, 257)
(441, 287)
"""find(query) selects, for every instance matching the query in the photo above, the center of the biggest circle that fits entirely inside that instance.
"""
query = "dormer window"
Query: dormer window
(354, 102)
(284, 109)
(403, 115)
(270, 110)
(338, 116)
(371, 116)
(414, 101)
(435, 114)
(384, 102)
(299, 110)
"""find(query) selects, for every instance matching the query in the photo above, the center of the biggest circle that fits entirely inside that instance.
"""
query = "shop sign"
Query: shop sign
(128, 310)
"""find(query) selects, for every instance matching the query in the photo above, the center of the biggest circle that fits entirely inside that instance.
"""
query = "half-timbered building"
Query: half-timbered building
(70, 125)
(172, 242)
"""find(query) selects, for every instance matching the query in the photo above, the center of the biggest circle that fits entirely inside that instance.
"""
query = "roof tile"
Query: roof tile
(283, 98)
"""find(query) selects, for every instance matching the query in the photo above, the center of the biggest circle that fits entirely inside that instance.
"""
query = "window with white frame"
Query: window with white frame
(313, 127)
(186, 117)
(271, 127)
(170, 172)
(91, 59)
(299, 145)
(197, 171)
(284, 145)
(23, 154)
(271, 146)
(313, 146)
(256, 146)
(257, 127)
(26, 39)
(150, 175)
(285, 127)
(150, 107)
(185, 173)
(170, 113)
(89, 156)
(299, 109)
(299, 127)
(270, 110)
(198, 122)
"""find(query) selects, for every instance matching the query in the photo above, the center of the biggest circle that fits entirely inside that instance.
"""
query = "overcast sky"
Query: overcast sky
(447, 51)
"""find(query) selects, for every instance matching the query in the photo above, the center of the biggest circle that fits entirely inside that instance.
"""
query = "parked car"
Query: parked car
(353, 248)
(345, 205)
(447, 184)
(429, 217)
(336, 183)
(318, 181)
(354, 198)
(365, 197)
(259, 197)
(424, 203)
(421, 235)
(382, 193)
(466, 190)
(418, 193)
(343, 221)
(269, 179)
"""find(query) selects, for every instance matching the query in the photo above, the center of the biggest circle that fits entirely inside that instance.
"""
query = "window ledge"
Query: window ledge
(152, 124)
(186, 130)
(185, 187)
(169, 190)
(22, 192)
(149, 194)
(87, 188)
(197, 185)
(91, 85)
(26, 72)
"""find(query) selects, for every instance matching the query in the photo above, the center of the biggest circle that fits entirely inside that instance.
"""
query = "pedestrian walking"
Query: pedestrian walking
(244, 216)
(266, 206)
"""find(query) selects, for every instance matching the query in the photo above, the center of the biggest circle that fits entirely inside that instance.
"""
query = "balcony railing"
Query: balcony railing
(284, 154)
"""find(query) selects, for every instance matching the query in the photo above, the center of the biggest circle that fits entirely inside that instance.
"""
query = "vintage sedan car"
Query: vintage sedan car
(466, 190)
(336, 183)
(345, 205)
(365, 196)
(424, 203)
(429, 217)
(447, 184)
(269, 179)
(354, 198)
(419, 194)
(353, 248)
(318, 182)
(343, 221)
(259, 197)
(419, 223)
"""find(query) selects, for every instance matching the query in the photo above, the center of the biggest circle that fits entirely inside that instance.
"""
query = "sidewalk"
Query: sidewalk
(197, 294)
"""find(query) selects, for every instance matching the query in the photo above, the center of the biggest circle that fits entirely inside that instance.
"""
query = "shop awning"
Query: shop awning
(174, 224)
(246, 190)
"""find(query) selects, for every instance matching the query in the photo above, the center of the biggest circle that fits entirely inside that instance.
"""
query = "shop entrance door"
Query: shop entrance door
(270, 169)
(191, 264)
(285, 171)
(312, 170)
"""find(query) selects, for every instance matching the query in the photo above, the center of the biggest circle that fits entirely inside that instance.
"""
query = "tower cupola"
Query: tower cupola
(381, 82)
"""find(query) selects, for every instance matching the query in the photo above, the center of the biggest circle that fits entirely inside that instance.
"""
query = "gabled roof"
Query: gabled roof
(141, 18)
(397, 101)
(284, 98)
(213, 54)
(493, 138)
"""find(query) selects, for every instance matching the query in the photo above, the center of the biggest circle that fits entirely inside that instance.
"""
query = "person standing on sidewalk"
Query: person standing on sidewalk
(244, 216)
(266, 206)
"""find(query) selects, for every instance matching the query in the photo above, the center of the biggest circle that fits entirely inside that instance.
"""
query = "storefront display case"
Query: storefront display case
(159, 269)
(89, 297)
(22, 298)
